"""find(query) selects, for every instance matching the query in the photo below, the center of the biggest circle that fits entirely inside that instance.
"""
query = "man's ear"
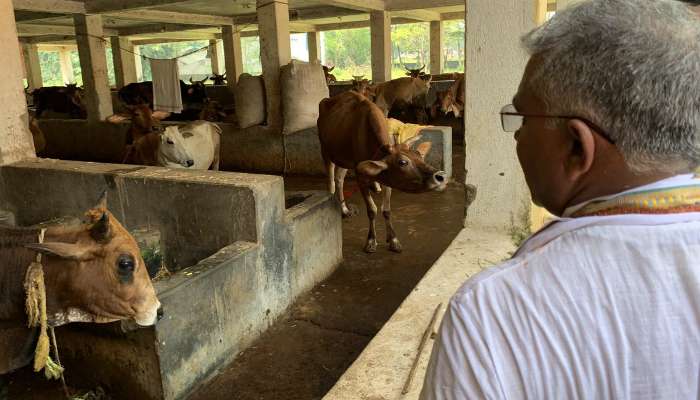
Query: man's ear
(581, 149)
(371, 168)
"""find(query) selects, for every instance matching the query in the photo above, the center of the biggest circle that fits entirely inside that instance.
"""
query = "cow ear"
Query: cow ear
(371, 168)
(68, 251)
(118, 118)
(160, 115)
(424, 148)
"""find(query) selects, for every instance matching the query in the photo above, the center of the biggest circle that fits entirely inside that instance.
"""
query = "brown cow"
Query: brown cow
(93, 272)
(37, 136)
(451, 100)
(330, 78)
(363, 87)
(143, 121)
(354, 135)
(400, 92)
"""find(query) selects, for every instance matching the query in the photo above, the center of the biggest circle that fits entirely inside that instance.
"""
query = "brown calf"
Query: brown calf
(354, 135)
(143, 121)
(93, 272)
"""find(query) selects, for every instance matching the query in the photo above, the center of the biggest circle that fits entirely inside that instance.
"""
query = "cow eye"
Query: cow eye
(403, 163)
(125, 267)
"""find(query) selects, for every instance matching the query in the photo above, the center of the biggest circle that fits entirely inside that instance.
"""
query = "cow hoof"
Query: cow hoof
(371, 246)
(395, 245)
(349, 210)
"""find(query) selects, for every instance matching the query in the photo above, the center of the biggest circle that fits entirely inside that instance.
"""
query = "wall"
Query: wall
(495, 61)
(258, 149)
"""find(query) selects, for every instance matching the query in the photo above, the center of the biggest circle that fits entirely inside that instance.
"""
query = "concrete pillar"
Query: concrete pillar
(275, 51)
(495, 61)
(32, 65)
(139, 66)
(380, 30)
(233, 55)
(15, 139)
(214, 57)
(64, 59)
(313, 41)
(436, 46)
(93, 64)
(124, 61)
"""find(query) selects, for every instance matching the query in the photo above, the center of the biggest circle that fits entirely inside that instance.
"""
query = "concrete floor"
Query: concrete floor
(309, 348)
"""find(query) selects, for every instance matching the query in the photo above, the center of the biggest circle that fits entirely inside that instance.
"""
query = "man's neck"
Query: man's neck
(613, 184)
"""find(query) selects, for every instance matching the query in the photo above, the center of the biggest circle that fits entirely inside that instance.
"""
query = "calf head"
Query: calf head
(403, 169)
(172, 151)
(143, 120)
(446, 102)
(95, 272)
(195, 92)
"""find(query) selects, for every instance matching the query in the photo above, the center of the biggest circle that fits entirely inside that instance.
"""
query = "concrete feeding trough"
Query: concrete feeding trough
(238, 257)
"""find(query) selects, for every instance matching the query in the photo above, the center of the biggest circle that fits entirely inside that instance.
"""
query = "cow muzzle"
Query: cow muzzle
(188, 163)
(439, 181)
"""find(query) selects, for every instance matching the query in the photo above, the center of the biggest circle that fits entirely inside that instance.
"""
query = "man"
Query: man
(603, 303)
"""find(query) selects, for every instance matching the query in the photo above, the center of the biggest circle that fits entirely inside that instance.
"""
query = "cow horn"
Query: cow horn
(191, 81)
(422, 68)
(203, 80)
(100, 231)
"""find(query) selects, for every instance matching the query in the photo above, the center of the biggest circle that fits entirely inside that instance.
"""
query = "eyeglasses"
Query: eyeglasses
(512, 120)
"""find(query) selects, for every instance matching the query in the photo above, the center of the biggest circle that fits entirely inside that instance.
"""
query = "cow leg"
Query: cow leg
(394, 244)
(371, 245)
(339, 184)
(330, 171)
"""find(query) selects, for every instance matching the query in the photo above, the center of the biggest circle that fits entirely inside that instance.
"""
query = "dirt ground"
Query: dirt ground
(323, 332)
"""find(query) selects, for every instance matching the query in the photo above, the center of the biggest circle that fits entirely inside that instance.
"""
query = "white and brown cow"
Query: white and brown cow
(354, 135)
(195, 146)
(93, 272)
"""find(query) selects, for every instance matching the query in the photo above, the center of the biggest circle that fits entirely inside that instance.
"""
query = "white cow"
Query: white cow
(195, 146)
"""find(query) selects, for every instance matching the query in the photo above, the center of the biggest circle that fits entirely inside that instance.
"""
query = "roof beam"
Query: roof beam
(399, 5)
(418, 15)
(26, 16)
(47, 39)
(362, 5)
(104, 6)
(163, 28)
(297, 27)
(50, 6)
(171, 17)
(453, 16)
(183, 36)
(35, 30)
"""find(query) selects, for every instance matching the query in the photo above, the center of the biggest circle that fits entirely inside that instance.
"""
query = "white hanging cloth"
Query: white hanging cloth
(166, 86)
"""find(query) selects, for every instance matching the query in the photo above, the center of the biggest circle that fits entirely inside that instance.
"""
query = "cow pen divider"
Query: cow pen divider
(239, 257)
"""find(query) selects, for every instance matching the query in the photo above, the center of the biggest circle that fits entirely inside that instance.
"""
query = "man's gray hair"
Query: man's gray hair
(633, 68)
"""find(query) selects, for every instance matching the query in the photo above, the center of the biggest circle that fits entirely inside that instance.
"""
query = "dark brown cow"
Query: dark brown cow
(143, 121)
(93, 273)
(415, 73)
(64, 100)
(218, 79)
(354, 135)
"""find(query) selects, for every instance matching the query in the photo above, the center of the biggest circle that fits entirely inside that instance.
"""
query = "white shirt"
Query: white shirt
(589, 308)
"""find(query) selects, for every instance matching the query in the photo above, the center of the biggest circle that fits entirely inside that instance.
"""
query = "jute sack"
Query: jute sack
(249, 96)
(303, 87)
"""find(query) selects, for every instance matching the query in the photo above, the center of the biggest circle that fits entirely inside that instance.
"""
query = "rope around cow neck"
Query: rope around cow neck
(35, 304)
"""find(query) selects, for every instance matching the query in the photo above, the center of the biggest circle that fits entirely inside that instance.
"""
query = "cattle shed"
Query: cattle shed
(242, 245)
